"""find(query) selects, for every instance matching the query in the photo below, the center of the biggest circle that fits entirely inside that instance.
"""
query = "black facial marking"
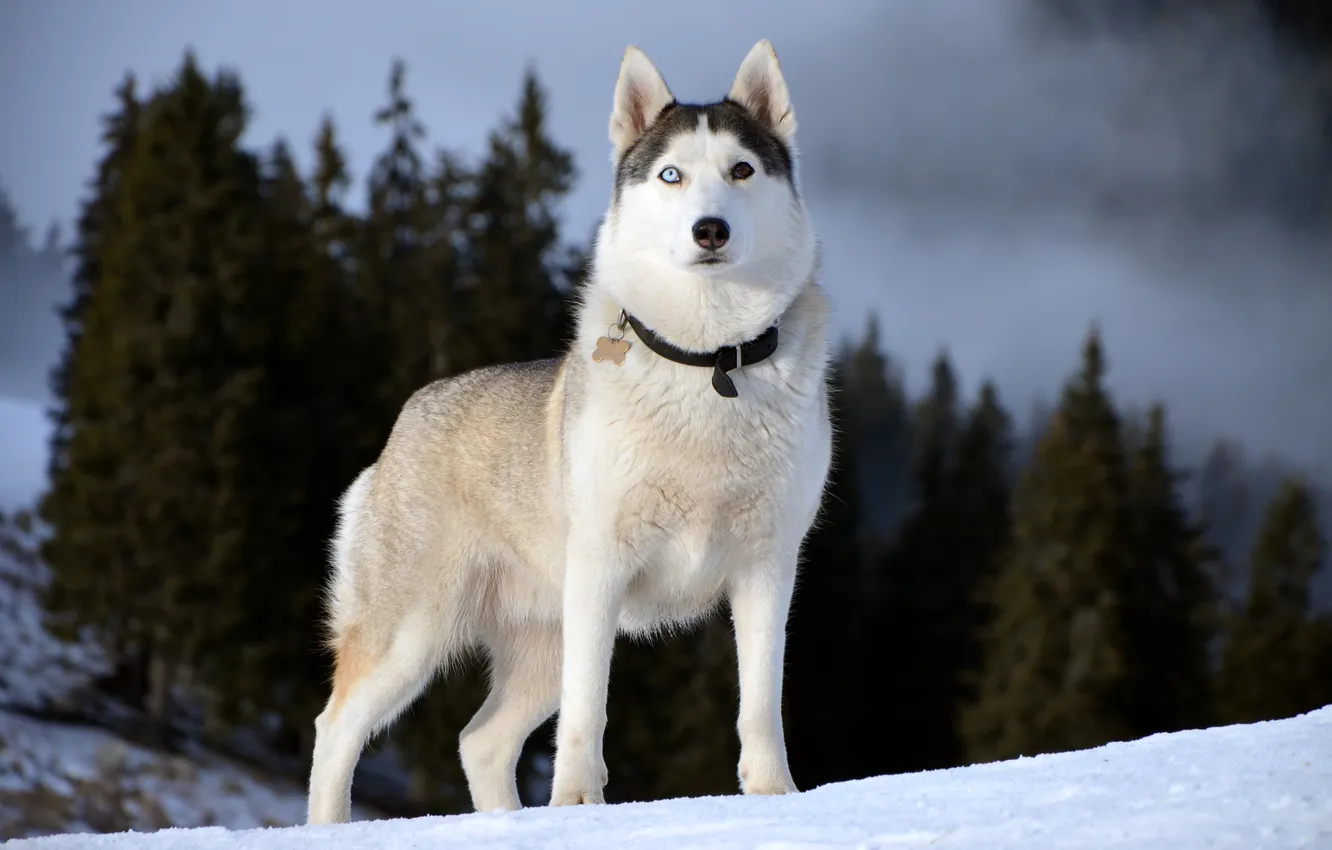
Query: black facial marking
(726, 116)
(729, 116)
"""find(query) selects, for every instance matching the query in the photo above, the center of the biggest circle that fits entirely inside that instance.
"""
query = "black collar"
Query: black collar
(722, 360)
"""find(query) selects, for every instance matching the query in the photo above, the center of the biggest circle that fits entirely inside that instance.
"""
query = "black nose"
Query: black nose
(711, 233)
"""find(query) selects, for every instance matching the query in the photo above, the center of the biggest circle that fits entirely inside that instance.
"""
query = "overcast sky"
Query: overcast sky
(956, 167)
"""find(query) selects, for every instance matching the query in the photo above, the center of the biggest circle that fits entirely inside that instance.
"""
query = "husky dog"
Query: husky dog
(674, 456)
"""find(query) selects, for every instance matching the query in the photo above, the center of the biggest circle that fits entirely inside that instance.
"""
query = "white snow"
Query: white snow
(61, 778)
(37, 670)
(1263, 785)
(56, 778)
(24, 431)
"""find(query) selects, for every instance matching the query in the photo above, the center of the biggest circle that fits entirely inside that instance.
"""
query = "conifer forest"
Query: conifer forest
(239, 333)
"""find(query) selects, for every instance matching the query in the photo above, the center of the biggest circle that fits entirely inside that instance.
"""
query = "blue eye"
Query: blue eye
(669, 174)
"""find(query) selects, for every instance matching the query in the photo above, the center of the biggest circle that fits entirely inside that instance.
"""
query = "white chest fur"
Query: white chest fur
(686, 486)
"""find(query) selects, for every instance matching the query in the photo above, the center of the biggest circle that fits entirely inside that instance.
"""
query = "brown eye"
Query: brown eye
(742, 171)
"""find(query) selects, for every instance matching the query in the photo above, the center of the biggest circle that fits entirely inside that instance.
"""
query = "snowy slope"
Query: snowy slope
(23, 435)
(62, 778)
(38, 671)
(1265, 785)
(56, 778)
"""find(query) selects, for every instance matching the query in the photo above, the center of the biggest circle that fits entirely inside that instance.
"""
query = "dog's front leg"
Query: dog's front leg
(760, 600)
(593, 593)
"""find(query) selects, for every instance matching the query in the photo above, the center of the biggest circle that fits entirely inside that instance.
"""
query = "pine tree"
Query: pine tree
(334, 230)
(363, 352)
(13, 236)
(1055, 664)
(1278, 659)
(330, 179)
(980, 488)
(187, 265)
(936, 426)
(928, 622)
(97, 214)
(300, 438)
(825, 705)
(913, 624)
(671, 715)
(1170, 612)
(407, 259)
(877, 432)
(1224, 507)
(90, 551)
(173, 371)
(516, 275)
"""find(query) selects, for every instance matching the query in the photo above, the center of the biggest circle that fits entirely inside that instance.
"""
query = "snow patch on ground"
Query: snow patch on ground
(57, 779)
(38, 671)
(1261, 785)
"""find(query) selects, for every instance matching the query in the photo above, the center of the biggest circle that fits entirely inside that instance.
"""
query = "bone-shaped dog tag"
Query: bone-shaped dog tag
(611, 349)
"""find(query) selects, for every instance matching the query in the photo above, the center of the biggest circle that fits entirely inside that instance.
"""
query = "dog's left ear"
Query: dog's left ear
(760, 88)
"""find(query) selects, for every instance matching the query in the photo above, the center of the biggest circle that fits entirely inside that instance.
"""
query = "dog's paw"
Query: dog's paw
(769, 786)
(569, 789)
(768, 776)
(572, 797)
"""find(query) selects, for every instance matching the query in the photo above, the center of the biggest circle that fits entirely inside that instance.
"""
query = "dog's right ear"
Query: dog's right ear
(760, 88)
(640, 95)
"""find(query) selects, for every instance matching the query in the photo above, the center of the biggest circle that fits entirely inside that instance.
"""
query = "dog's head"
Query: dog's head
(706, 212)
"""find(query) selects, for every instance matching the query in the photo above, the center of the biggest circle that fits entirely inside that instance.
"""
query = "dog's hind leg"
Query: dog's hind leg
(524, 691)
(373, 682)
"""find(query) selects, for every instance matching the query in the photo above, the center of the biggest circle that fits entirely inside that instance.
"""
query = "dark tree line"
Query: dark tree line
(239, 341)
(238, 344)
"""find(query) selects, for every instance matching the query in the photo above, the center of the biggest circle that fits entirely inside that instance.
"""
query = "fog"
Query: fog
(995, 191)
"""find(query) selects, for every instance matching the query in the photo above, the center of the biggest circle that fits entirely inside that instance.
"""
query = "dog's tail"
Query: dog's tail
(340, 594)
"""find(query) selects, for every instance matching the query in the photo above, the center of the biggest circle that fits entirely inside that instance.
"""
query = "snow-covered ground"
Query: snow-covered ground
(1258, 786)
(56, 778)
(37, 670)
(61, 778)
